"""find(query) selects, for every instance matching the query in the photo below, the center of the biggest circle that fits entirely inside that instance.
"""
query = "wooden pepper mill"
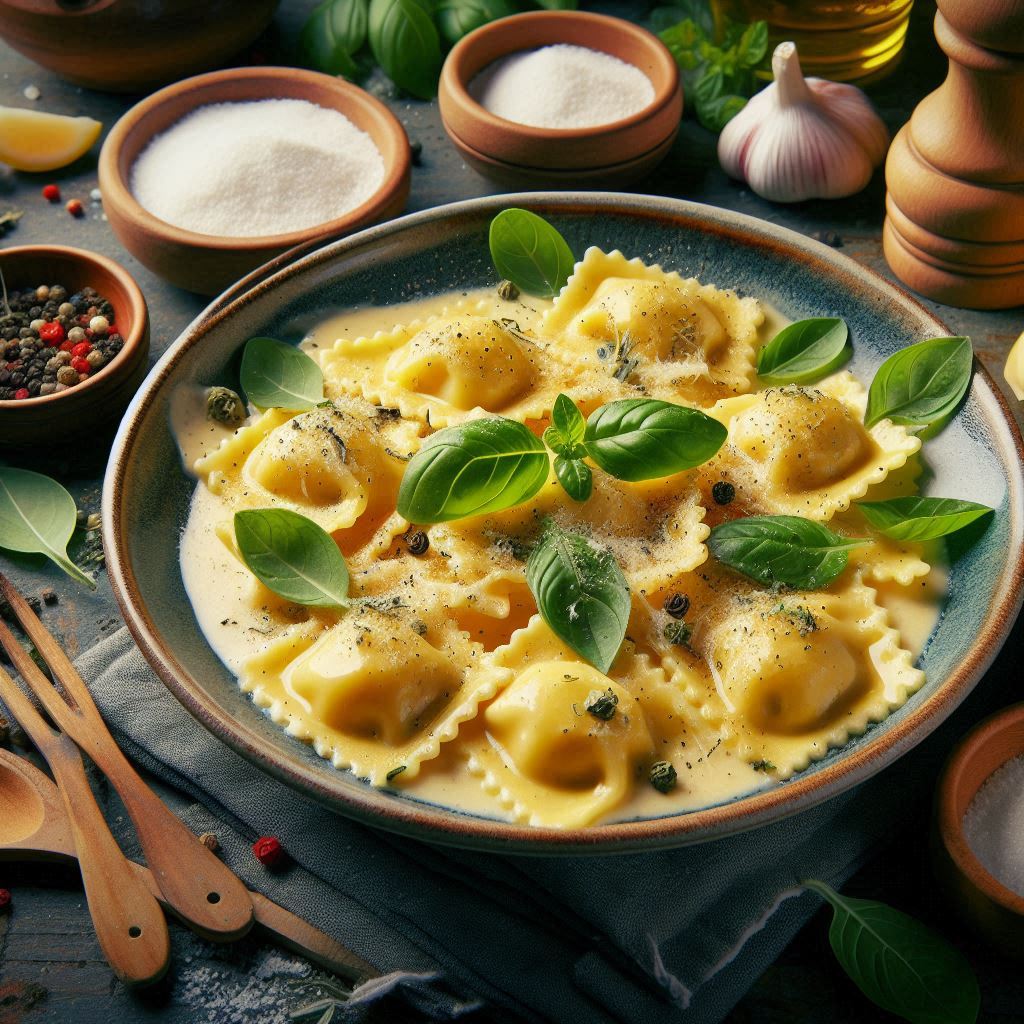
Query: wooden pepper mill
(954, 227)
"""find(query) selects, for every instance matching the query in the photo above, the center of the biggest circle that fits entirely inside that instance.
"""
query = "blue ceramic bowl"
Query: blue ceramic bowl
(147, 493)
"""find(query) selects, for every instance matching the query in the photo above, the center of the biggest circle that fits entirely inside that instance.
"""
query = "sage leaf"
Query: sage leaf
(643, 438)
(474, 468)
(37, 517)
(333, 34)
(921, 384)
(898, 963)
(787, 550)
(565, 435)
(530, 253)
(575, 477)
(581, 594)
(279, 376)
(406, 45)
(804, 351)
(920, 519)
(293, 556)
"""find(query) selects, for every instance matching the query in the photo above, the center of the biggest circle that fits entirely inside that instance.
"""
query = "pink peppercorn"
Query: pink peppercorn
(5, 900)
(66, 346)
(21, 393)
(52, 334)
(80, 365)
(51, 193)
(82, 349)
(74, 207)
(268, 851)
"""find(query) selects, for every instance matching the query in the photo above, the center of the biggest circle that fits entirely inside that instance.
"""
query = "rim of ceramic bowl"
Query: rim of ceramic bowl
(951, 819)
(117, 192)
(449, 826)
(139, 315)
(456, 76)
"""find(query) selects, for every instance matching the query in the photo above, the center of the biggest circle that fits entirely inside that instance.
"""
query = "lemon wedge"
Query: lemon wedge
(1013, 371)
(31, 140)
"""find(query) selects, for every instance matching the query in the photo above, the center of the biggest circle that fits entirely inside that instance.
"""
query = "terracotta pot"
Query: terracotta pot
(126, 46)
(989, 906)
(518, 153)
(101, 398)
(208, 263)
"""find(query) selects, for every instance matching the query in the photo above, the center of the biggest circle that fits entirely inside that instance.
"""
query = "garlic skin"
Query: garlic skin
(803, 138)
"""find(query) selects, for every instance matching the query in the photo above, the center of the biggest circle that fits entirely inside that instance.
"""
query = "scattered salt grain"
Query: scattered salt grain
(562, 86)
(260, 168)
(994, 824)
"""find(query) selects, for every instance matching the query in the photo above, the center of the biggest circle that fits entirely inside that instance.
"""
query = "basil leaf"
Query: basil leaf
(575, 476)
(457, 18)
(530, 253)
(37, 517)
(921, 518)
(752, 44)
(921, 384)
(643, 438)
(558, 5)
(477, 467)
(292, 556)
(581, 594)
(804, 351)
(698, 12)
(332, 35)
(795, 552)
(279, 376)
(406, 45)
(898, 963)
(565, 435)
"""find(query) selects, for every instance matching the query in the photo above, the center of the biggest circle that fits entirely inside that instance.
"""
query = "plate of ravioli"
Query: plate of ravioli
(629, 525)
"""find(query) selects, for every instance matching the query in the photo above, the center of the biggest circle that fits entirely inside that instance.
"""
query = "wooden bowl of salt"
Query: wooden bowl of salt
(210, 178)
(561, 98)
(979, 834)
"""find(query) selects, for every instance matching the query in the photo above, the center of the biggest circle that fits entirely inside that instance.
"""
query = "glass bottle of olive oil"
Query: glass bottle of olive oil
(844, 40)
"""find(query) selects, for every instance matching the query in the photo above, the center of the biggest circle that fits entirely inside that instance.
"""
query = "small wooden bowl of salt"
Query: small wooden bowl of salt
(213, 176)
(979, 853)
(564, 98)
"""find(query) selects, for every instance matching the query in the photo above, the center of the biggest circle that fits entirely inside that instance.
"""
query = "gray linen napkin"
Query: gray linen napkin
(667, 936)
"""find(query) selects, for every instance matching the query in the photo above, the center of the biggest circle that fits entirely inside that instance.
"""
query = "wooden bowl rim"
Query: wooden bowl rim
(456, 78)
(951, 822)
(117, 193)
(132, 340)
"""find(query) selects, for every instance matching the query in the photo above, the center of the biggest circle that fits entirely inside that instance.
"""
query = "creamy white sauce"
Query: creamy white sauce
(235, 629)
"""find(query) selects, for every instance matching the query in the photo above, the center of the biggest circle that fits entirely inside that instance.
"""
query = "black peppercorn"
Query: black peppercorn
(418, 543)
(508, 291)
(723, 492)
(677, 605)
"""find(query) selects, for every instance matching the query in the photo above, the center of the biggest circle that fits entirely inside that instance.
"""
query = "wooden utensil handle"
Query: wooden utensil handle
(129, 923)
(201, 889)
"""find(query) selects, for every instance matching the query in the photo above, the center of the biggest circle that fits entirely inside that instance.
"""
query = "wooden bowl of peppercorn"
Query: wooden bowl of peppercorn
(68, 312)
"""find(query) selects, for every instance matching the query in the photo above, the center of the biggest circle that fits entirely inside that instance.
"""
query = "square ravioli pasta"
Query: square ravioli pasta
(441, 677)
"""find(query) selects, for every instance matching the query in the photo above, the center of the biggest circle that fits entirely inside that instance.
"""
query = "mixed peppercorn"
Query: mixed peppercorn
(50, 341)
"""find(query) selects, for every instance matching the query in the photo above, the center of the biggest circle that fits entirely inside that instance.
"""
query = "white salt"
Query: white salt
(994, 824)
(562, 86)
(260, 168)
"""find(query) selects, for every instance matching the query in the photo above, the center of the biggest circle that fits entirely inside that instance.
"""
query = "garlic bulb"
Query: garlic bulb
(803, 138)
(1013, 371)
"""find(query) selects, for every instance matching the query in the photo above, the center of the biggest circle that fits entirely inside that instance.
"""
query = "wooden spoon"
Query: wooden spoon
(34, 827)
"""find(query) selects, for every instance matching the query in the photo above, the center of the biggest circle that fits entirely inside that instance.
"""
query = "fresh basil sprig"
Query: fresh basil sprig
(457, 18)
(719, 59)
(581, 594)
(898, 963)
(332, 36)
(476, 467)
(920, 519)
(530, 253)
(804, 351)
(644, 438)
(279, 376)
(921, 384)
(292, 556)
(787, 550)
(575, 476)
(405, 43)
(38, 516)
(565, 435)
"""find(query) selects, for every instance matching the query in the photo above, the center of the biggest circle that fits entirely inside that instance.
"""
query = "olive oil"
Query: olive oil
(843, 40)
